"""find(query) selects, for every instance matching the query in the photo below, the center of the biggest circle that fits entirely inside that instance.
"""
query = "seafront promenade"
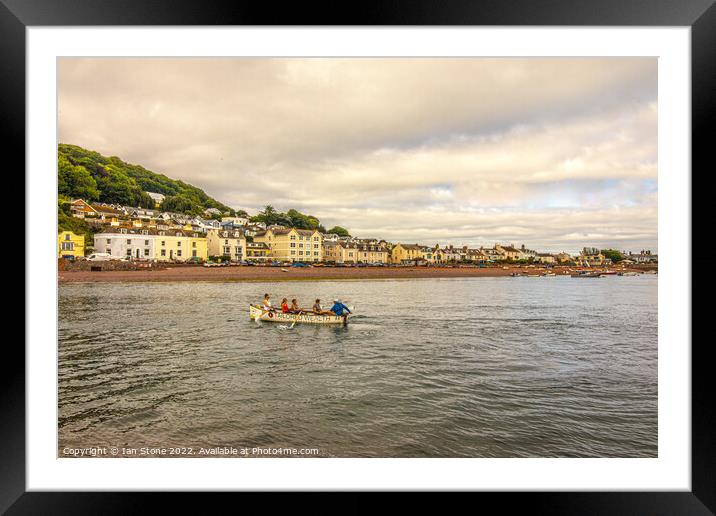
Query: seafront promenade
(257, 273)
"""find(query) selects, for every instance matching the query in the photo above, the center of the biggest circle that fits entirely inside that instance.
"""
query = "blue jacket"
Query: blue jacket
(338, 308)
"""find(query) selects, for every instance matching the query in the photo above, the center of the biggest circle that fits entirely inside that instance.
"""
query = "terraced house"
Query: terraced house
(227, 242)
(350, 252)
(151, 244)
(293, 245)
(406, 253)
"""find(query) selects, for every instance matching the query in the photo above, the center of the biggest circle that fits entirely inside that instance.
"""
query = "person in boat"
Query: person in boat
(295, 309)
(339, 308)
(267, 302)
(317, 308)
(284, 306)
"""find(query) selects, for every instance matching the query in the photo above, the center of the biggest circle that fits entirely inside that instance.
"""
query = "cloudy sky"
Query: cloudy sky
(554, 153)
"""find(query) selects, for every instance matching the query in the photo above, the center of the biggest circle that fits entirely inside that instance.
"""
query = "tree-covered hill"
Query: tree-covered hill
(90, 176)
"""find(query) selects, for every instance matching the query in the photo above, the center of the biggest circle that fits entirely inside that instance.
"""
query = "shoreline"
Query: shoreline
(258, 274)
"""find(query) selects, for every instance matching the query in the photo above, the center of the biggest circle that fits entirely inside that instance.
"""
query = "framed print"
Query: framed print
(420, 249)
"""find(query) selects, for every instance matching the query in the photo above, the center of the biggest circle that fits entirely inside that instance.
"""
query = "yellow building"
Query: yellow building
(371, 253)
(69, 244)
(591, 256)
(257, 252)
(293, 245)
(226, 242)
(406, 253)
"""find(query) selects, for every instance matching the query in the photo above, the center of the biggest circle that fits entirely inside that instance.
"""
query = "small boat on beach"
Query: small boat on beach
(587, 275)
(628, 273)
(258, 313)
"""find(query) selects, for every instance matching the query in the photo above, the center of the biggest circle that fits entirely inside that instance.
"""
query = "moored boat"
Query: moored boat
(258, 313)
(588, 275)
(628, 273)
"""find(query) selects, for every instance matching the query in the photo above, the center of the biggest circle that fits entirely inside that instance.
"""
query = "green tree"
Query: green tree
(338, 230)
(614, 255)
(180, 204)
(75, 181)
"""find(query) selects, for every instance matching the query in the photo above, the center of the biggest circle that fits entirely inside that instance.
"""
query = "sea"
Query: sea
(454, 367)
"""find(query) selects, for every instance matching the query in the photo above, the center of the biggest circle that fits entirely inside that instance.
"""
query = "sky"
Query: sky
(554, 153)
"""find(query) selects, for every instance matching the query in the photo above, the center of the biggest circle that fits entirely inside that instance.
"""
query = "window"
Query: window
(301, 253)
(293, 252)
(67, 246)
(164, 242)
(67, 236)
(146, 252)
(129, 240)
(315, 246)
(315, 239)
(146, 242)
(129, 252)
(293, 237)
(109, 240)
(300, 245)
(293, 244)
(179, 244)
(193, 253)
(193, 244)
(226, 242)
(315, 253)
(164, 252)
(179, 252)
(108, 251)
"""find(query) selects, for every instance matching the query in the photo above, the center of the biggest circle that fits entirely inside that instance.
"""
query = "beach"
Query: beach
(257, 273)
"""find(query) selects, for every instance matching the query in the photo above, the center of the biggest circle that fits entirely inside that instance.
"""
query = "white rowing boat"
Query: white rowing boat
(258, 313)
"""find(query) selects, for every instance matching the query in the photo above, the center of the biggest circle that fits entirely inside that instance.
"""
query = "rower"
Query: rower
(294, 306)
(317, 308)
(339, 308)
(267, 302)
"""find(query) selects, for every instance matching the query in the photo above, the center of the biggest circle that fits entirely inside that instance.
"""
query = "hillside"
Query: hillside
(89, 175)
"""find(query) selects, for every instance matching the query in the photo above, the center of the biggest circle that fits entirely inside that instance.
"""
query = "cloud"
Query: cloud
(552, 152)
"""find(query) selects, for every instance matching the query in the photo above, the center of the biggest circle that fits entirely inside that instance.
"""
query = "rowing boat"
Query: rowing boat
(258, 313)
(588, 275)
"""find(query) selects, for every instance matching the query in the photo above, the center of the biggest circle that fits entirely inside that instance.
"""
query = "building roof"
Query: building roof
(413, 247)
(286, 231)
(131, 230)
(104, 208)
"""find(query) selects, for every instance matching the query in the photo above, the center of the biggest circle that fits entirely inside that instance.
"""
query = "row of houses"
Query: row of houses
(118, 215)
(140, 233)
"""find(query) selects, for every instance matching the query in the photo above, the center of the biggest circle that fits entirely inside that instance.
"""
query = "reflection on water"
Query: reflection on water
(480, 367)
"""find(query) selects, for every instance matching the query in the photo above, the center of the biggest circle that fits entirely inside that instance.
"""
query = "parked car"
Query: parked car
(195, 260)
(99, 257)
(299, 264)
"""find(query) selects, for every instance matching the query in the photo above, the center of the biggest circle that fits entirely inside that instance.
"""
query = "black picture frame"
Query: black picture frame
(700, 15)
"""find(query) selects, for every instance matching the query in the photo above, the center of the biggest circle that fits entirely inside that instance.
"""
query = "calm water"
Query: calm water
(481, 367)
